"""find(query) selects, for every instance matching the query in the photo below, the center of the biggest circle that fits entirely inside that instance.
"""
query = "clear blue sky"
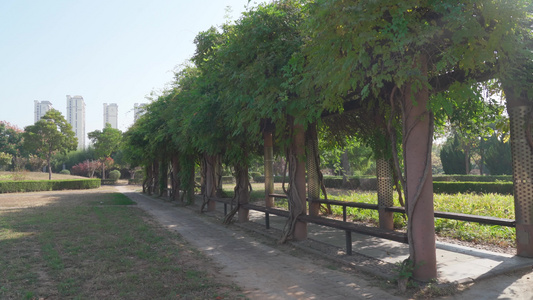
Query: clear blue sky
(108, 51)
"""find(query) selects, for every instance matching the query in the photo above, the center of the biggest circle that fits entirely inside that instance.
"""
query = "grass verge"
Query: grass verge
(99, 246)
(494, 205)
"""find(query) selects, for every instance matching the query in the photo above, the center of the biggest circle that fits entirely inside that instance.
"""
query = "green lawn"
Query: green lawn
(97, 245)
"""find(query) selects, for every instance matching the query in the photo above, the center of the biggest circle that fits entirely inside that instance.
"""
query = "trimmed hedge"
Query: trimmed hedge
(47, 185)
(501, 184)
(476, 178)
(135, 181)
(254, 175)
(108, 181)
(277, 179)
(352, 182)
(228, 179)
(443, 187)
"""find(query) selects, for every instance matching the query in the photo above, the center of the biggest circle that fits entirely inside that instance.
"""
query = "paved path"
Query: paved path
(268, 272)
(263, 272)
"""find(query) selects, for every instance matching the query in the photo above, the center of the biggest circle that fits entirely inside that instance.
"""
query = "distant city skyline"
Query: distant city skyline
(75, 115)
(76, 118)
(121, 52)
(40, 109)
(138, 110)
(111, 115)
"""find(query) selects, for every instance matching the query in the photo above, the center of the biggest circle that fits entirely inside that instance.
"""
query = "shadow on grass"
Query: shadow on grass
(95, 244)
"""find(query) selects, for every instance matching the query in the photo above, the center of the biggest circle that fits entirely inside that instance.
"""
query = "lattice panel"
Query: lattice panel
(384, 177)
(313, 182)
(522, 165)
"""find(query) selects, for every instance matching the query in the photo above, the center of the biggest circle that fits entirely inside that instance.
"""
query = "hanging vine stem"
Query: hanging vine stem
(294, 198)
(326, 209)
(285, 173)
(427, 169)
(396, 160)
(218, 176)
(241, 179)
(206, 195)
(529, 126)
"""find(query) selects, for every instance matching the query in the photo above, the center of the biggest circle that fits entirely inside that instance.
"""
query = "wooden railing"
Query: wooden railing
(349, 227)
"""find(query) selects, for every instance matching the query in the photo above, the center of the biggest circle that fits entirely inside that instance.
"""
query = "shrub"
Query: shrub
(47, 185)
(504, 188)
(254, 175)
(114, 175)
(64, 172)
(452, 157)
(498, 156)
(136, 180)
(338, 182)
(108, 181)
(277, 179)
(228, 179)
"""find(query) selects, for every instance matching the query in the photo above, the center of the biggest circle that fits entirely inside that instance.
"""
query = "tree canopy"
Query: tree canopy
(52, 134)
(105, 143)
(381, 71)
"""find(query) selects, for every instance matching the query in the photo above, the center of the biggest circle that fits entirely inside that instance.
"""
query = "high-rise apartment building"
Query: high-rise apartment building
(138, 110)
(40, 109)
(76, 118)
(111, 115)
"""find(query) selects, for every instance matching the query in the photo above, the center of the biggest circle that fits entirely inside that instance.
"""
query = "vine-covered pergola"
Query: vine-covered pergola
(381, 71)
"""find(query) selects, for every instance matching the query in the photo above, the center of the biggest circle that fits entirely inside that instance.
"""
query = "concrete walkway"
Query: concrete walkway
(455, 264)
(262, 271)
(266, 272)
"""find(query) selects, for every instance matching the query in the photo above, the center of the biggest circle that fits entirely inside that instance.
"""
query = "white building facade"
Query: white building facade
(138, 111)
(76, 118)
(111, 115)
(41, 107)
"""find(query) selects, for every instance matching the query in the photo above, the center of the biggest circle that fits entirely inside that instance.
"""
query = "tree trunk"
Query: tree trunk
(155, 176)
(520, 109)
(218, 176)
(298, 150)
(269, 168)
(175, 177)
(145, 181)
(242, 191)
(148, 181)
(103, 168)
(163, 177)
(296, 193)
(210, 180)
(418, 138)
(186, 175)
(49, 167)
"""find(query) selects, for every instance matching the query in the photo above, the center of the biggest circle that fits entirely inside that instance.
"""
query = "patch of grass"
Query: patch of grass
(494, 205)
(113, 199)
(78, 248)
(26, 175)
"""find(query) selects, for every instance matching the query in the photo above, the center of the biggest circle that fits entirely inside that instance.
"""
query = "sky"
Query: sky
(107, 51)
